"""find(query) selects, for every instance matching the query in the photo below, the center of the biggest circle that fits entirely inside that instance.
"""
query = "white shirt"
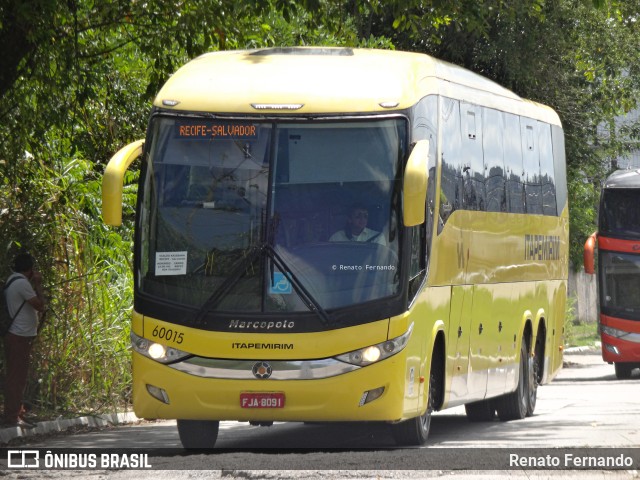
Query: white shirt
(364, 236)
(25, 323)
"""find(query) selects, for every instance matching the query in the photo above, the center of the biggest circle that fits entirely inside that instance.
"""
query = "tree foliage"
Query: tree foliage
(579, 57)
(77, 79)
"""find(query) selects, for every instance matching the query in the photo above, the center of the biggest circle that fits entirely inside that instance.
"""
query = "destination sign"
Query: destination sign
(217, 131)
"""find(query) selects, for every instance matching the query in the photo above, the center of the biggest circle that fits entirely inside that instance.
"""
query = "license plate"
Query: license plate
(262, 400)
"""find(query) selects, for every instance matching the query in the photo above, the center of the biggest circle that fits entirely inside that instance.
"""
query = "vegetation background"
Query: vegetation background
(77, 79)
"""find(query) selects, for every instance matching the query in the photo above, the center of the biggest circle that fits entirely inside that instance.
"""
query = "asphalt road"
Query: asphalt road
(585, 407)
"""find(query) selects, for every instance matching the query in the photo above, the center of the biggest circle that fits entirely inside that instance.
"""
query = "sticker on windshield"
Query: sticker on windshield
(171, 263)
(280, 284)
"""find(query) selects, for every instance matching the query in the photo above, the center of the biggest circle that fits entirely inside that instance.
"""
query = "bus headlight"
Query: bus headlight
(375, 353)
(613, 332)
(156, 351)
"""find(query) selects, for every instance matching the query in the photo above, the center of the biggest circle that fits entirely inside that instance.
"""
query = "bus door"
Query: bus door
(480, 348)
(491, 304)
(459, 335)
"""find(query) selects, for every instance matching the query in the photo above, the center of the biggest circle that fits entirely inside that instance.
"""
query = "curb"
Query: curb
(62, 424)
(596, 348)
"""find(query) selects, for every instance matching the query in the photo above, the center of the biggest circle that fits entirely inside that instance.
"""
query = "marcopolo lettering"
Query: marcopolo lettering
(541, 247)
(261, 325)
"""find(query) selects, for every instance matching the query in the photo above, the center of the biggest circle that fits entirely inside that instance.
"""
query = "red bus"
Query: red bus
(618, 244)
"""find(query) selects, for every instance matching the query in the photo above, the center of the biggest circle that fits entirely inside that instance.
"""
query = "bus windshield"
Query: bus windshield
(620, 284)
(271, 217)
(620, 215)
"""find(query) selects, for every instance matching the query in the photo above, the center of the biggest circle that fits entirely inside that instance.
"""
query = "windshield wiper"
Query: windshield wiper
(233, 278)
(240, 269)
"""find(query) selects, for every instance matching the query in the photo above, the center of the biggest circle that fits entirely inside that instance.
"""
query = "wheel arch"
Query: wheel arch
(438, 360)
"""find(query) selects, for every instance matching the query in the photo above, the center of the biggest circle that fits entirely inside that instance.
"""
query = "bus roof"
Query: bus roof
(328, 80)
(623, 179)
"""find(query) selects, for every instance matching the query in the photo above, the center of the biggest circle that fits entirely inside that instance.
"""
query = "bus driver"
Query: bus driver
(356, 228)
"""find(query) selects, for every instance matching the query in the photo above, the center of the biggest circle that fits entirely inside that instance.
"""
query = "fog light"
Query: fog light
(158, 393)
(370, 395)
(612, 348)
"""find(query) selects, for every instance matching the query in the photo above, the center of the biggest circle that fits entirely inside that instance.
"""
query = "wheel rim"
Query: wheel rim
(425, 420)
(522, 384)
(533, 382)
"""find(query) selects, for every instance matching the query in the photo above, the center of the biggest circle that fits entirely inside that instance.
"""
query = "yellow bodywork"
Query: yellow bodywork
(375, 81)
(112, 182)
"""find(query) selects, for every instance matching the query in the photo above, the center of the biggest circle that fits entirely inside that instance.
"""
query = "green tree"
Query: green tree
(76, 83)
(579, 57)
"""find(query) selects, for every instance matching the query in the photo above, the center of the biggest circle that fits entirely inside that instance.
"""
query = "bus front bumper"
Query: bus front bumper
(162, 391)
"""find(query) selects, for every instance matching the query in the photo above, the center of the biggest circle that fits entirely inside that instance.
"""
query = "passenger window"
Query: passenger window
(473, 164)
(513, 163)
(559, 167)
(451, 187)
(425, 128)
(417, 261)
(492, 128)
(531, 157)
(547, 172)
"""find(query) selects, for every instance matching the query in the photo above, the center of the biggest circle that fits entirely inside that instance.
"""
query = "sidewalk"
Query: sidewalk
(62, 424)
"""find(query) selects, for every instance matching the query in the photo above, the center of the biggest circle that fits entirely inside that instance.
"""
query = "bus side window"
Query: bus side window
(547, 173)
(472, 156)
(531, 157)
(559, 167)
(513, 163)
(492, 128)
(451, 186)
(417, 262)
(425, 128)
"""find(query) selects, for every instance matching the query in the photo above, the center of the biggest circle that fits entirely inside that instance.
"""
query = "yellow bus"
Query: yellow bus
(336, 234)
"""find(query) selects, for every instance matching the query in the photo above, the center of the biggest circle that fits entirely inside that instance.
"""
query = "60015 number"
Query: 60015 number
(168, 334)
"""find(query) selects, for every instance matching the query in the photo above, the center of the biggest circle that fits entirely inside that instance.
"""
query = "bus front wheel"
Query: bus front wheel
(623, 370)
(415, 431)
(198, 434)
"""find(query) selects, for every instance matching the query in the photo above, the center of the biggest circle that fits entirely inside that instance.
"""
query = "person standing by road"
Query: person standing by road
(25, 300)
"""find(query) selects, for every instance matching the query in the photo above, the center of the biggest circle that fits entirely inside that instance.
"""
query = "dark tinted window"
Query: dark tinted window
(620, 215)
(547, 172)
(531, 161)
(451, 181)
(513, 163)
(493, 128)
(473, 163)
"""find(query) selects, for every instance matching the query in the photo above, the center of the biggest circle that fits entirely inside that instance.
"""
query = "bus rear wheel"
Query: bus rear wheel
(482, 411)
(534, 368)
(514, 405)
(198, 434)
(623, 370)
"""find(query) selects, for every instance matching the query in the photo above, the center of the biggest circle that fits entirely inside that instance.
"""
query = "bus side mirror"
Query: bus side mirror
(415, 184)
(589, 254)
(113, 179)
